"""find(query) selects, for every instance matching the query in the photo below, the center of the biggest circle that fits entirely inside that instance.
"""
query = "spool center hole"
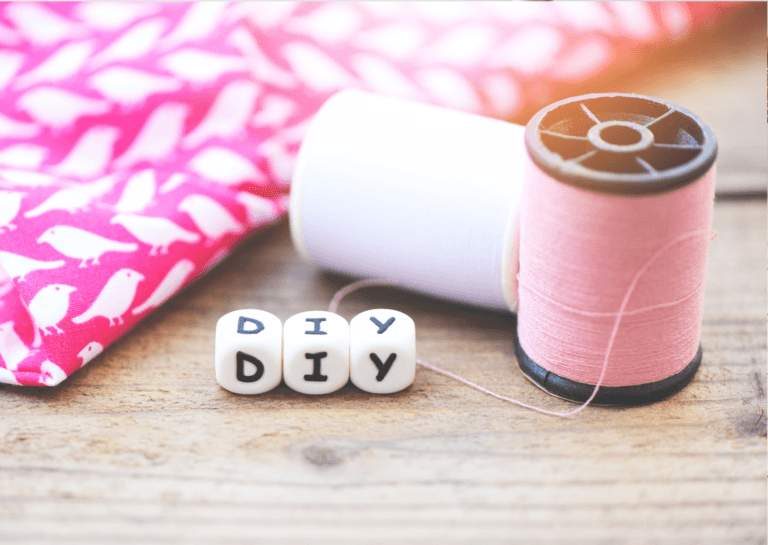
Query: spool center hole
(620, 135)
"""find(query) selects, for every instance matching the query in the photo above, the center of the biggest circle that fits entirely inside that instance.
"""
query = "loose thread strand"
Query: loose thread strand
(369, 283)
(354, 286)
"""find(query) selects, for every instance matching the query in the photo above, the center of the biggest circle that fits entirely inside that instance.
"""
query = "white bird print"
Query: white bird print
(275, 111)
(99, 187)
(26, 178)
(7, 377)
(210, 217)
(133, 44)
(84, 245)
(168, 286)
(260, 210)
(138, 192)
(397, 40)
(23, 156)
(115, 298)
(62, 64)
(90, 351)
(157, 232)
(40, 25)
(174, 181)
(53, 374)
(198, 66)
(262, 68)
(158, 137)
(131, 87)
(225, 167)
(10, 203)
(75, 198)
(8, 36)
(113, 16)
(6, 286)
(12, 348)
(10, 62)
(382, 77)
(315, 68)
(200, 20)
(227, 116)
(70, 200)
(266, 16)
(49, 306)
(15, 129)
(329, 24)
(281, 163)
(19, 266)
(57, 109)
(293, 134)
(91, 154)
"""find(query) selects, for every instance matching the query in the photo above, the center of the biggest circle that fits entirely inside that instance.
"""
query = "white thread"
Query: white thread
(384, 186)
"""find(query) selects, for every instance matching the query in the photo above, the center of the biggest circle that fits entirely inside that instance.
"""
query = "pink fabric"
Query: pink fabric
(140, 142)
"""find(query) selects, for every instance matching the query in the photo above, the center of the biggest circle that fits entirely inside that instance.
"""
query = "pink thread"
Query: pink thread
(590, 263)
(354, 286)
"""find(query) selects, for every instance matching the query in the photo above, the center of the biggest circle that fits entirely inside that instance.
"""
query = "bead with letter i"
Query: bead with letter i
(316, 352)
(249, 351)
(382, 351)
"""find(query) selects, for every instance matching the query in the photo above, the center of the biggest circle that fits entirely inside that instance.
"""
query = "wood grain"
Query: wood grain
(142, 445)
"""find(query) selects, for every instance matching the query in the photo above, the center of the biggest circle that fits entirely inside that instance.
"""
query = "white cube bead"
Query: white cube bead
(382, 351)
(316, 352)
(249, 351)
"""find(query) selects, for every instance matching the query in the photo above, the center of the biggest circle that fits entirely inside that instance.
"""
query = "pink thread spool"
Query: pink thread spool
(616, 185)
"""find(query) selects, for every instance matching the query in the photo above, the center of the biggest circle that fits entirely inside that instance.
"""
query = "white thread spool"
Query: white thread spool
(420, 194)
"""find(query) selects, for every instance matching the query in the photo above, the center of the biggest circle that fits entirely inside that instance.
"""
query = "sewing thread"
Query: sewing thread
(590, 262)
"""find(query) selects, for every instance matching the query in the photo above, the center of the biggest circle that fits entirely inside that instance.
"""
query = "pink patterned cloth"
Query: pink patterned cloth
(139, 143)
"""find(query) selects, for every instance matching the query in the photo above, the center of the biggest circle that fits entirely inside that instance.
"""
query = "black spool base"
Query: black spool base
(606, 395)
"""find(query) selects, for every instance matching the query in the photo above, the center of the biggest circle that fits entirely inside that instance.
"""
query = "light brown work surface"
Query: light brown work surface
(143, 445)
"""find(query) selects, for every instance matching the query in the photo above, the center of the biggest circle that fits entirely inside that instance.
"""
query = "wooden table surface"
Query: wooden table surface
(142, 445)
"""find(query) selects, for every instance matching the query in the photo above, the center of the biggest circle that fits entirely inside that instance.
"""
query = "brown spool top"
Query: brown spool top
(621, 144)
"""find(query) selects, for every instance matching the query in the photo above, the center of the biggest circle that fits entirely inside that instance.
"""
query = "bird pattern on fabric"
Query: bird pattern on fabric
(140, 142)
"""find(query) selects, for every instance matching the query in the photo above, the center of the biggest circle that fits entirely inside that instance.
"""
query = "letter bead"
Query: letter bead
(316, 352)
(382, 351)
(249, 351)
